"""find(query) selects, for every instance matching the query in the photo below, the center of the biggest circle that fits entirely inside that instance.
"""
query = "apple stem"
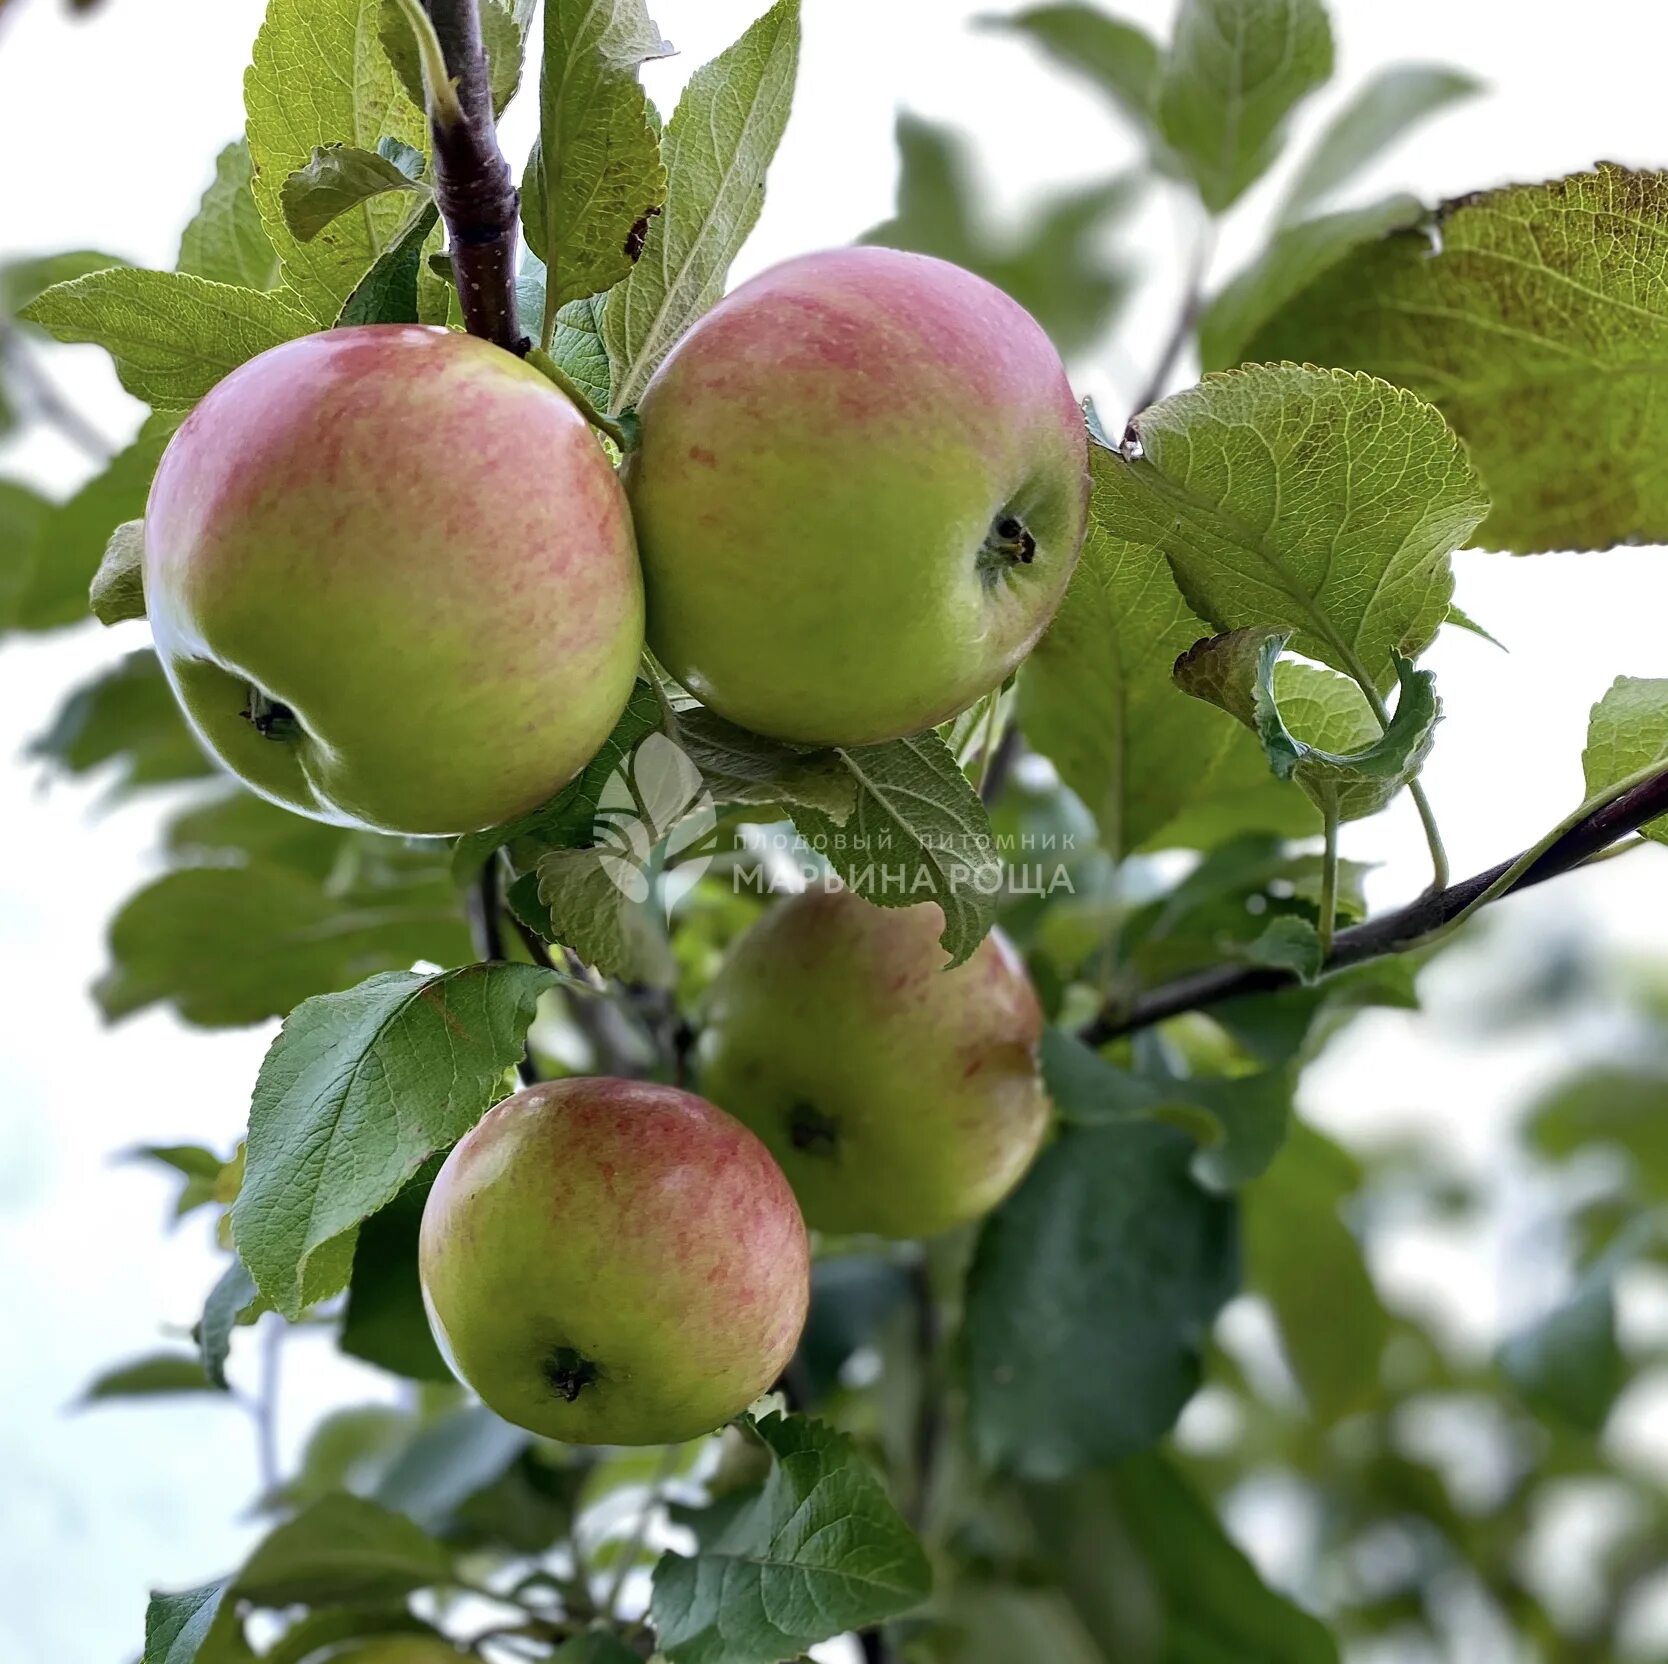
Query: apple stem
(472, 182)
(486, 925)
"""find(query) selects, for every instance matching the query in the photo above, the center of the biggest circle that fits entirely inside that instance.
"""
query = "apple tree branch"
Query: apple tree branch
(472, 181)
(1398, 931)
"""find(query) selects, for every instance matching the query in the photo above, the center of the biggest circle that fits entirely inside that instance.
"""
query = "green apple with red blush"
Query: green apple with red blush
(900, 1097)
(860, 490)
(614, 1262)
(391, 576)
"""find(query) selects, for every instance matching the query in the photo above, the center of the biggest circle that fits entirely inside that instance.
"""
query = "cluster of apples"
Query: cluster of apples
(397, 582)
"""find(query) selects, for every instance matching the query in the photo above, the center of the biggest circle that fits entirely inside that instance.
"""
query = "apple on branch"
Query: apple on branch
(860, 491)
(614, 1262)
(391, 577)
(900, 1097)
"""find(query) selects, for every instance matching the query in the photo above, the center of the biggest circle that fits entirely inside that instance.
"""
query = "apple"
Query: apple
(614, 1262)
(860, 490)
(900, 1098)
(391, 577)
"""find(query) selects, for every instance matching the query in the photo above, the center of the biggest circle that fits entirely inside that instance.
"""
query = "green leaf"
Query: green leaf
(1235, 71)
(1315, 500)
(1297, 256)
(183, 1627)
(1121, 59)
(342, 1549)
(1239, 1122)
(385, 1323)
(1289, 944)
(1627, 732)
(24, 516)
(1239, 795)
(1347, 765)
(996, 1623)
(1096, 698)
(172, 336)
(740, 767)
(347, 1451)
(1538, 323)
(595, 178)
(233, 1300)
(320, 76)
(357, 1092)
(1054, 264)
(339, 177)
(156, 1376)
(53, 578)
(583, 906)
(185, 939)
(1306, 1263)
(389, 292)
(1384, 110)
(311, 1639)
(23, 279)
(1609, 1106)
(195, 1161)
(225, 241)
(1090, 1294)
(1461, 620)
(1568, 1365)
(503, 36)
(1227, 898)
(127, 717)
(1191, 1596)
(235, 823)
(717, 148)
(117, 592)
(917, 832)
(450, 1460)
(815, 1551)
(577, 346)
(580, 352)
(598, 1647)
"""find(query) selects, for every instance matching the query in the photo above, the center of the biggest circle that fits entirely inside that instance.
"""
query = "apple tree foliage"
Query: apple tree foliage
(970, 1458)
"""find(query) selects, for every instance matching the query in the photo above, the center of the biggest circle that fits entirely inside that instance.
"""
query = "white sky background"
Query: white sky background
(109, 130)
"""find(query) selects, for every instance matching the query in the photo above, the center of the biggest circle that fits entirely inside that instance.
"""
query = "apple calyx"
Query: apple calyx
(1007, 544)
(569, 1372)
(812, 1131)
(271, 718)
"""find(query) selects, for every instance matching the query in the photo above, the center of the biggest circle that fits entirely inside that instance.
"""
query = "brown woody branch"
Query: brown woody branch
(473, 184)
(1393, 932)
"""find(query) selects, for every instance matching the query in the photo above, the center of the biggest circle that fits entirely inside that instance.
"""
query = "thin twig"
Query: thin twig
(1187, 320)
(266, 1405)
(473, 184)
(1415, 787)
(1329, 884)
(48, 402)
(929, 1409)
(1009, 749)
(486, 925)
(1406, 927)
(633, 1546)
(596, 1016)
